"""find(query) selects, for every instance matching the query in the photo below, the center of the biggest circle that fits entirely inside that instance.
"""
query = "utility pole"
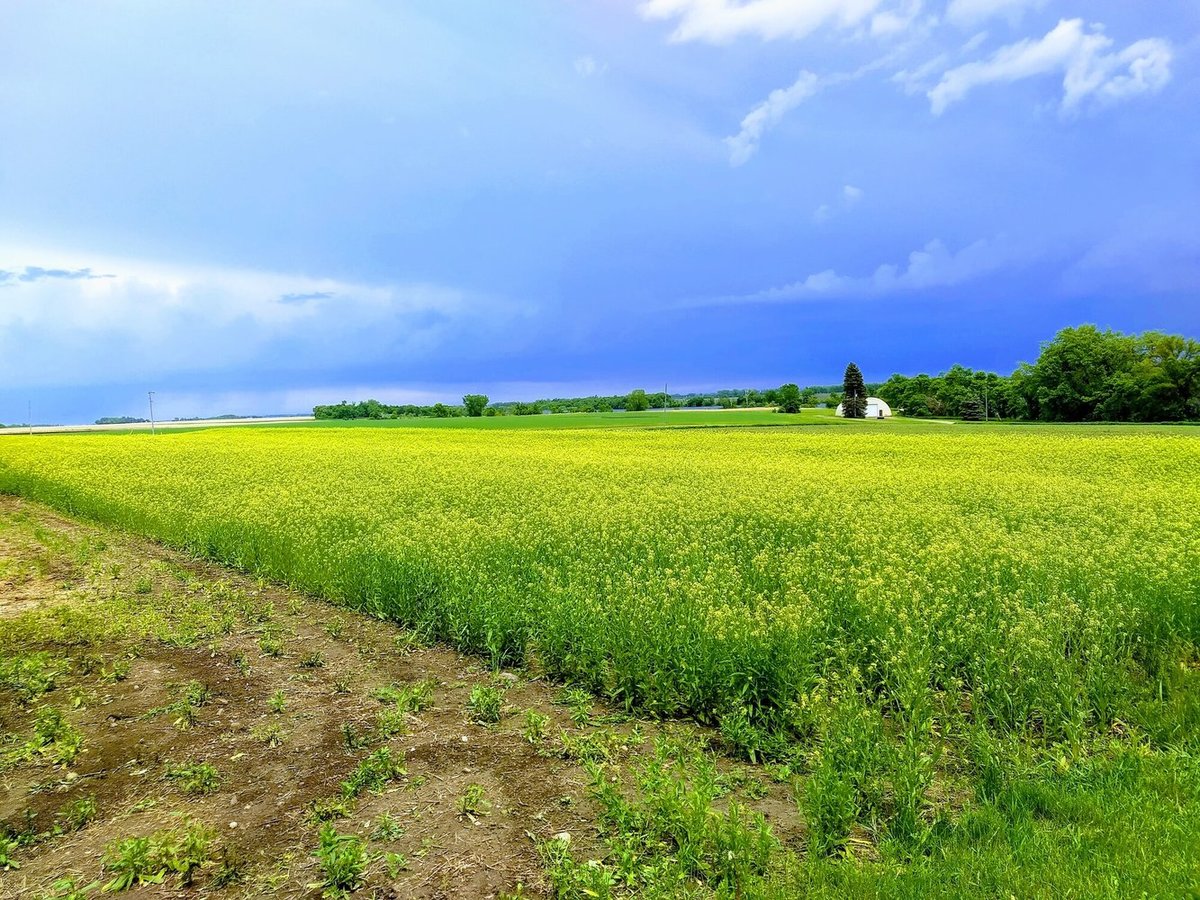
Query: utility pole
(985, 397)
(29, 415)
(150, 394)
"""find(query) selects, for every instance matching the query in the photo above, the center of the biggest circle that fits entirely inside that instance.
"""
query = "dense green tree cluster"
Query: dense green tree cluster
(373, 409)
(1083, 375)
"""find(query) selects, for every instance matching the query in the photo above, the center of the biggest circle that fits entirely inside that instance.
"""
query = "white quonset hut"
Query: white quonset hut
(876, 409)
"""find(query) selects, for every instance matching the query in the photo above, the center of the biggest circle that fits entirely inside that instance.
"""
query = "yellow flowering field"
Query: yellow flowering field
(1047, 575)
(840, 589)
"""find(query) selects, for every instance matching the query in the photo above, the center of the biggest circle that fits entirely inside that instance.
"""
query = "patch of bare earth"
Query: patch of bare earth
(275, 761)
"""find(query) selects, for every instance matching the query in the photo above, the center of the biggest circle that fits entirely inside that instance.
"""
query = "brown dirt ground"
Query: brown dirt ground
(261, 810)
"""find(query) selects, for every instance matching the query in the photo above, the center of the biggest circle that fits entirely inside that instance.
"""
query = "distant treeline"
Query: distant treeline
(635, 401)
(119, 420)
(1082, 375)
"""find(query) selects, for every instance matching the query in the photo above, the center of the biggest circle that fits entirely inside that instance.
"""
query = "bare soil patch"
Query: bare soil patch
(292, 695)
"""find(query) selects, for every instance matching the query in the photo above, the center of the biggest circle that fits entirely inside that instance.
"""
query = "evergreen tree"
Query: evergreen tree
(854, 393)
(971, 409)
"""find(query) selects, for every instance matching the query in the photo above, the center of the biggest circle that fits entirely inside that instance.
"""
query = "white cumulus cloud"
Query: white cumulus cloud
(720, 21)
(1091, 69)
(933, 266)
(140, 319)
(767, 115)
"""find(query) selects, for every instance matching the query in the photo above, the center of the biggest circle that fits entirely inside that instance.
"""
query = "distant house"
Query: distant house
(876, 409)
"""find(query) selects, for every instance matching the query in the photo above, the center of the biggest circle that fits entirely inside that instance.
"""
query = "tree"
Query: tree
(637, 401)
(788, 398)
(475, 404)
(971, 409)
(854, 393)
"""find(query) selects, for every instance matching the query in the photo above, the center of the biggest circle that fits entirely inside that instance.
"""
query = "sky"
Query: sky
(253, 207)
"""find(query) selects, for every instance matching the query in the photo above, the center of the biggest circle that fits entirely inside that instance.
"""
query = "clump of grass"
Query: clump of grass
(240, 663)
(473, 802)
(54, 737)
(387, 828)
(343, 859)
(579, 702)
(373, 773)
(485, 704)
(534, 727)
(77, 814)
(277, 702)
(232, 867)
(28, 675)
(270, 645)
(315, 659)
(144, 585)
(194, 778)
(410, 698)
(394, 864)
(270, 733)
(149, 860)
(117, 672)
(328, 809)
(69, 889)
(665, 831)
(8, 850)
(186, 708)
(335, 627)
(352, 738)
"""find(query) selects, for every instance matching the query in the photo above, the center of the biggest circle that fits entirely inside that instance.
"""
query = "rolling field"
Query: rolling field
(947, 635)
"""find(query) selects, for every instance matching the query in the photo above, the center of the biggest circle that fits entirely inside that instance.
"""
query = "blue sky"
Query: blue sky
(252, 207)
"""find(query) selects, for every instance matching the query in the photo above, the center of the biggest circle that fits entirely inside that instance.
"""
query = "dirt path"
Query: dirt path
(159, 662)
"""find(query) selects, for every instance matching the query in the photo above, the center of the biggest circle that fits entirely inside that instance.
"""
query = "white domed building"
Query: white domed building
(876, 409)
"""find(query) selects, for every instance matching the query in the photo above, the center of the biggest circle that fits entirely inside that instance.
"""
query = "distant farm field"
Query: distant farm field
(937, 611)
